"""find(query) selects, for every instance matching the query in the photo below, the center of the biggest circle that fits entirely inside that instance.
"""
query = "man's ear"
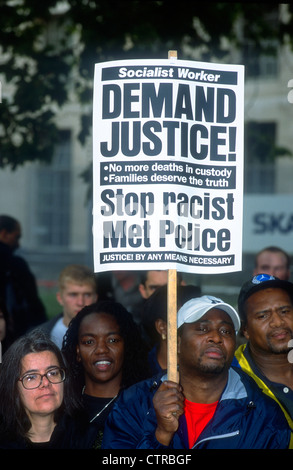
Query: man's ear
(142, 291)
(3, 234)
(59, 298)
(161, 327)
(244, 331)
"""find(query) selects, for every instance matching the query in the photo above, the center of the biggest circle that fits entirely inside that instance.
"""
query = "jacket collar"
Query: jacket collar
(234, 388)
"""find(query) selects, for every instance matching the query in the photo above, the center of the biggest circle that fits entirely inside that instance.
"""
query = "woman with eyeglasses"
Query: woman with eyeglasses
(36, 407)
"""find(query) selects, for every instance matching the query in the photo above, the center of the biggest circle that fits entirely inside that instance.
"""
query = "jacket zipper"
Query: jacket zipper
(222, 436)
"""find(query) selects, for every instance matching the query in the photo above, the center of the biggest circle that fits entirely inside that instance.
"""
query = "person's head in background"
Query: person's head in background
(77, 288)
(274, 261)
(151, 280)
(10, 231)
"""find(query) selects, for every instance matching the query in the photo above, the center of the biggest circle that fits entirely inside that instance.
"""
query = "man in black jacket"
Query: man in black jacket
(18, 286)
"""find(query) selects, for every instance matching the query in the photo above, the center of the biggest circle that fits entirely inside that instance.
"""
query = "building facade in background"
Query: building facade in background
(51, 201)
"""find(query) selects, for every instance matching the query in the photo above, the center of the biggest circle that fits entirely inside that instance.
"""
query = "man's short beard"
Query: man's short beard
(278, 350)
(273, 349)
(212, 369)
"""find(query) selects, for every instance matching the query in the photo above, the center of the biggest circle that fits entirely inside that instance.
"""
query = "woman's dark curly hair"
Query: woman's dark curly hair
(135, 359)
(156, 307)
(14, 419)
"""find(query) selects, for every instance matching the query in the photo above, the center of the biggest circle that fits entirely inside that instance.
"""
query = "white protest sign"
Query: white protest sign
(168, 166)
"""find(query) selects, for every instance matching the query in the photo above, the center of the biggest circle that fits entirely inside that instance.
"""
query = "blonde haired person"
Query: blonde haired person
(77, 288)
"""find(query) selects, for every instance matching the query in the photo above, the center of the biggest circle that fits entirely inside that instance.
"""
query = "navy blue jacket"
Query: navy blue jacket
(244, 419)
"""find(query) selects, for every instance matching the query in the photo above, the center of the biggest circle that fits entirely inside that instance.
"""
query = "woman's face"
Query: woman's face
(2, 326)
(48, 397)
(100, 348)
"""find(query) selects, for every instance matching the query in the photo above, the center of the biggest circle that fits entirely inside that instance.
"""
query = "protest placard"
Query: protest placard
(168, 166)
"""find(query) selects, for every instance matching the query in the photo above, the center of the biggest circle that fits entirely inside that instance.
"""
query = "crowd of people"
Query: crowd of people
(96, 376)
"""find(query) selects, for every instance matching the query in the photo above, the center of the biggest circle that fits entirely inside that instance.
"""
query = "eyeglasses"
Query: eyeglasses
(34, 380)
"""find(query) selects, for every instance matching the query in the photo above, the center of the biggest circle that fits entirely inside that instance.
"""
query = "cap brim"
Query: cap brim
(252, 289)
(197, 315)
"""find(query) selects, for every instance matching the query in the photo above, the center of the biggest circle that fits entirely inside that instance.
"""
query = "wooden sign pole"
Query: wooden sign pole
(172, 310)
(172, 326)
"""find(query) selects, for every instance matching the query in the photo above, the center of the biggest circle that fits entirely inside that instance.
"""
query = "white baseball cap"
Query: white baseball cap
(194, 309)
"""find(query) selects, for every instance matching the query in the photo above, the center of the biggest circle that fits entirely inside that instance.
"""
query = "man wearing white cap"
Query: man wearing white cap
(212, 406)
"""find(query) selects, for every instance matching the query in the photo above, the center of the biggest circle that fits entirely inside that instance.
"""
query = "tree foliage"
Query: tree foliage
(46, 52)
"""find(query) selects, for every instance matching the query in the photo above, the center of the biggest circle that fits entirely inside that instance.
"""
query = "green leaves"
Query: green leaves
(48, 50)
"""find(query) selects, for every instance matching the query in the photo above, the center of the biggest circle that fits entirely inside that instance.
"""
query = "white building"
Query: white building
(50, 200)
